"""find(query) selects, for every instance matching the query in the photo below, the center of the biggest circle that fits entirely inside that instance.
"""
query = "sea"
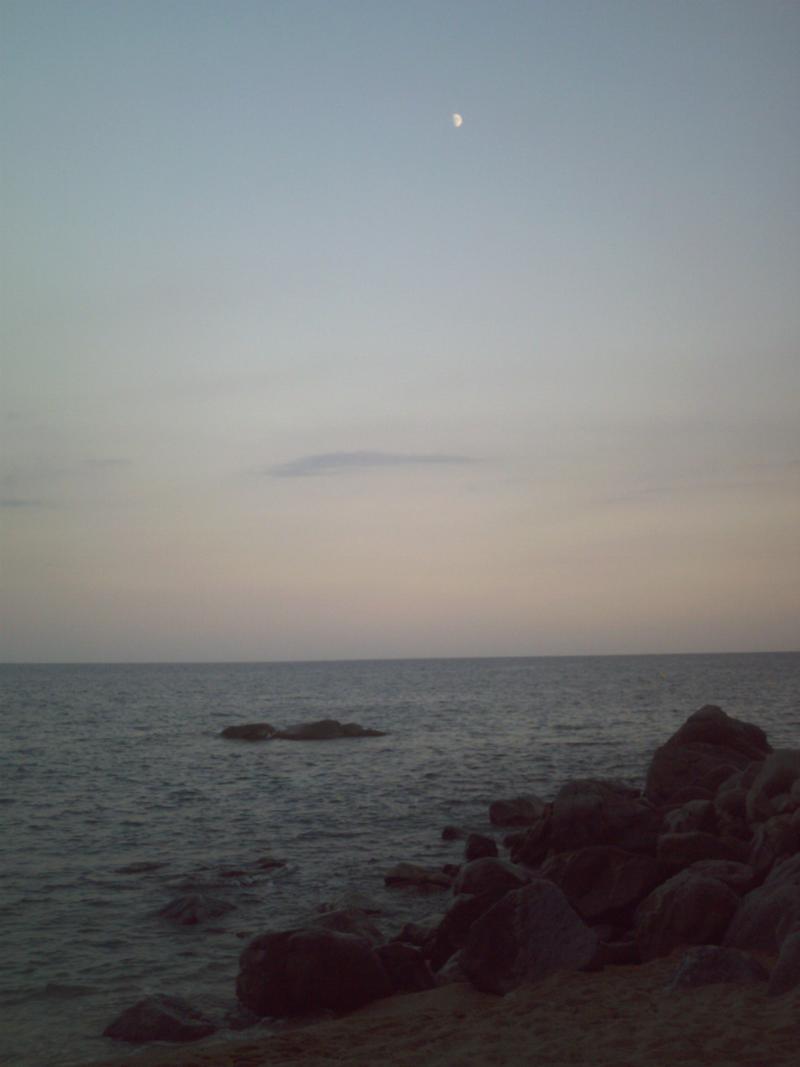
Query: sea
(118, 794)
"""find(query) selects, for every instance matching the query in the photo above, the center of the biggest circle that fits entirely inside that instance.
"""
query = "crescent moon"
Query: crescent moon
(457, 120)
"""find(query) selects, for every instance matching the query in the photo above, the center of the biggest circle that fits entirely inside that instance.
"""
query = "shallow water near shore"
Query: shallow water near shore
(104, 767)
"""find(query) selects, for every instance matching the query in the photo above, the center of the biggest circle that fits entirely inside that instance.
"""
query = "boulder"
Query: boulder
(703, 753)
(688, 909)
(160, 1018)
(527, 935)
(695, 815)
(250, 731)
(478, 846)
(786, 972)
(739, 877)
(489, 875)
(453, 833)
(299, 971)
(412, 876)
(451, 933)
(777, 776)
(767, 915)
(710, 964)
(773, 840)
(350, 921)
(531, 846)
(602, 882)
(325, 730)
(406, 966)
(596, 811)
(518, 811)
(194, 908)
(681, 850)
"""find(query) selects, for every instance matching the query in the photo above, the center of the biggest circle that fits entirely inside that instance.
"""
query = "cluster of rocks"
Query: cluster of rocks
(706, 856)
(321, 730)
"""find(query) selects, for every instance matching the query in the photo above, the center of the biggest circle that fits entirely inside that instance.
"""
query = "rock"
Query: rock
(688, 909)
(596, 811)
(518, 811)
(773, 840)
(143, 867)
(451, 933)
(270, 863)
(453, 833)
(527, 935)
(418, 934)
(766, 915)
(709, 964)
(300, 971)
(602, 882)
(704, 752)
(160, 1018)
(250, 731)
(489, 875)
(696, 815)
(406, 966)
(479, 846)
(194, 908)
(777, 776)
(786, 972)
(618, 954)
(739, 877)
(325, 730)
(530, 846)
(350, 921)
(412, 876)
(681, 850)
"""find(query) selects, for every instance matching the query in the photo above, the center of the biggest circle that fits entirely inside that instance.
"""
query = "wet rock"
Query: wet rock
(143, 867)
(786, 973)
(350, 921)
(710, 964)
(412, 876)
(160, 1018)
(704, 752)
(194, 908)
(603, 882)
(270, 863)
(479, 846)
(518, 811)
(325, 730)
(299, 971)
(249, 731)
(527, 935)
(688, 909)
(453, 833)
(489, 875)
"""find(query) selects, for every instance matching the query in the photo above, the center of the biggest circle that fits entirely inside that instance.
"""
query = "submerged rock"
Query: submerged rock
(194, 908)
(412, 876)
(325, 730)
(160, 1018)
(250, 731)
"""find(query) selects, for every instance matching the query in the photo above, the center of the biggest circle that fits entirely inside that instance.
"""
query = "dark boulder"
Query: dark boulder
(301, 971)
(453, 833)
(325, 730)
(531, 846)
(688, 909)
(596, 811)
(350, 921)
(704, 752)
(489, 875)
(602, 882)
(518, 811)
(160, 1018)
(451, 933)
(527, 935)
(739, 877)
(695, 815)
(768, 914)
(250, 731)
(406, 966)
(681, 850)
(786, 972)
(775, 779)
(774, 840)
(194, 908)
(710, 964)
(478, 846)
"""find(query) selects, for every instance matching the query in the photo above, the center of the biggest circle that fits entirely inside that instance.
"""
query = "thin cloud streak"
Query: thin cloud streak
(333, 463)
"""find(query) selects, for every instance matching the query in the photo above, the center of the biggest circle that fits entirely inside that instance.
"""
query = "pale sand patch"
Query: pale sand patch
(622, 1017)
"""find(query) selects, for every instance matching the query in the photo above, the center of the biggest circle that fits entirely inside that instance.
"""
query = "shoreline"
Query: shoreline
(623, 1016)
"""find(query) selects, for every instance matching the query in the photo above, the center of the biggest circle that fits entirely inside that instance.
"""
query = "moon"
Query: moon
(457, 120)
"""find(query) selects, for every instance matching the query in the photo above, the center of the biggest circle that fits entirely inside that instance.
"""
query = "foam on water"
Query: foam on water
(102, 767)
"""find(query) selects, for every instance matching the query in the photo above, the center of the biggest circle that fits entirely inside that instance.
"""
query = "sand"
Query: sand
(621, 1017)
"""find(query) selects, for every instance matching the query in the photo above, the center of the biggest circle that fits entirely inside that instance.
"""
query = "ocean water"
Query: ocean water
(106, 766)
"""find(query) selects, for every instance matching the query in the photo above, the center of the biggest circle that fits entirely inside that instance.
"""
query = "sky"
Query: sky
(295, 368)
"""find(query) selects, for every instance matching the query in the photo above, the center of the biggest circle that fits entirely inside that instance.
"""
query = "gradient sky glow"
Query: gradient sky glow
(293, 368)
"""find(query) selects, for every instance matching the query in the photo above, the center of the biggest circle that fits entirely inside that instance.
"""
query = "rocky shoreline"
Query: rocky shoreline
(700, 869)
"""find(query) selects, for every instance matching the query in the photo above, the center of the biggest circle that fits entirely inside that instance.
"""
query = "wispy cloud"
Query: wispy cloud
(327, 463)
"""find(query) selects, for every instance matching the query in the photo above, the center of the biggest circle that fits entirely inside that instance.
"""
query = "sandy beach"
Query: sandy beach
(621, 1017)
